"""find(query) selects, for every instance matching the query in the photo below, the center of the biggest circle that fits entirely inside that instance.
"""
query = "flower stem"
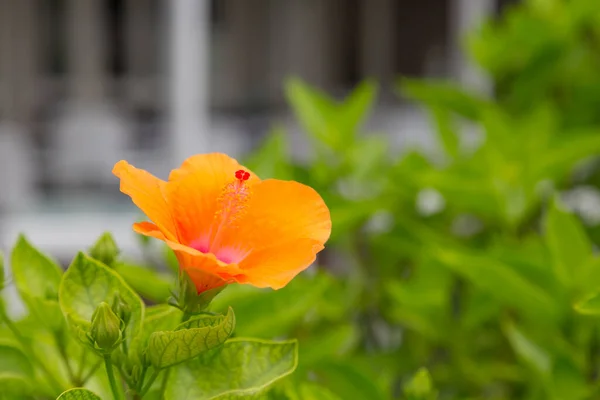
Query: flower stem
(91, 372)
(163, 385)
(116, 389)
(150, 382)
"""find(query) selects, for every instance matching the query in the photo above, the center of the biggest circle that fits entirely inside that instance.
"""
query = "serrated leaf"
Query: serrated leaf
(242, 368)
(86, 284)
(78, 394)
(568, 244)
(161, 317)
(169, 348)
(203, 321)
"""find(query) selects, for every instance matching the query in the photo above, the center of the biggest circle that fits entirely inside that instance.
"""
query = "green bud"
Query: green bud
(105, 249)
(121, 309)
(106, 330)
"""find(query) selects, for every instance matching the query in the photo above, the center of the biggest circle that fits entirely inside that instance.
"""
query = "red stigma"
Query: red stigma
(242, 175)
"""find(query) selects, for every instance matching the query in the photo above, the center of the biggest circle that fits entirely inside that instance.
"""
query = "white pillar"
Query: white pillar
(188, 70)
(90, 131)
(467, 15)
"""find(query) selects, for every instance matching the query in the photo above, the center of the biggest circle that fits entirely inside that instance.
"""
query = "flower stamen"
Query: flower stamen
(232, 205)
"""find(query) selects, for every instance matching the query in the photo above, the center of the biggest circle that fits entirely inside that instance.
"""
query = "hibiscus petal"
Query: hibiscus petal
(194, 190)
(190, 258)
(148, 229)
(279, 212)
(146, 191)
(277, 265)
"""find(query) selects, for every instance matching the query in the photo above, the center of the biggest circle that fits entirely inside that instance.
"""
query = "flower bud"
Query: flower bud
(106, 330)
(105, 250)
(121, 309)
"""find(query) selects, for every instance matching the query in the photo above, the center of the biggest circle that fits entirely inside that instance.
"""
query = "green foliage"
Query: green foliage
(462, 274)
(493, 288)
(420, 387)
(85, 285)
(169, 348)
(78, 394)
(37, 278)
(250, 368)
(105, 249)
(116, 339)
(16, 371)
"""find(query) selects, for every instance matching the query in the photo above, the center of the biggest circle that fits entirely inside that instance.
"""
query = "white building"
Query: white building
(84, 83)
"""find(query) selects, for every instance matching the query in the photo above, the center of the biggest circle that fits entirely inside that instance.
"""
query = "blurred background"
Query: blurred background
(85, 83)
(456, 143)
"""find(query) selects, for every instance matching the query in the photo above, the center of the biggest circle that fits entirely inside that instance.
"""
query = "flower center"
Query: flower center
(232, 204)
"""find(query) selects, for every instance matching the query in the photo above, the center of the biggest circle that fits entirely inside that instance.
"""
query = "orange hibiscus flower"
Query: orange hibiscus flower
(226, 225)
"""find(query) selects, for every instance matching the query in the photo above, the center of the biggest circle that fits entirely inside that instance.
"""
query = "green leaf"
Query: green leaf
(203, 321)
(16, 371)
(314, 111)
(168, 348)
(162, 317)
(568, 244)
(270, 313)
(37, 279)
(78, 394)
(350, 381)
(105, 249)
(446, 131)
(590, 305)
(420, 386)
(302, 391)
(272, 158)
(35, 274)
(240, 369)
(444, 95)
(501, 281)
(86, 284)
(356, 107)
(536, 357)
(151, 285)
